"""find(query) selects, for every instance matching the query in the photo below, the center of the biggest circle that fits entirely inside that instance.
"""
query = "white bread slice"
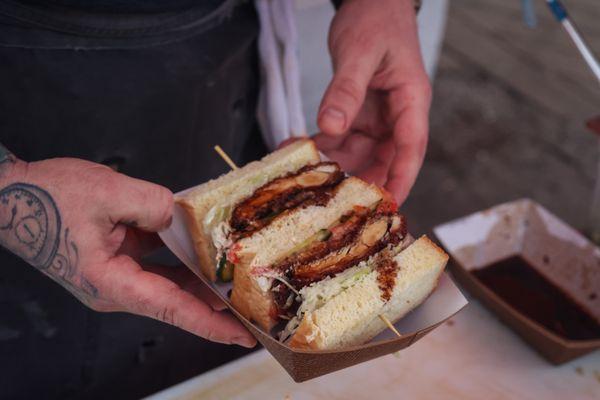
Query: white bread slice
(234, 187)
(285, 233)
(352, 317)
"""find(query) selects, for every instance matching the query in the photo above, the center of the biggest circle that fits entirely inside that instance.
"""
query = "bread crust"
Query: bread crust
(202, 244)
(307, 329)
(249, 299)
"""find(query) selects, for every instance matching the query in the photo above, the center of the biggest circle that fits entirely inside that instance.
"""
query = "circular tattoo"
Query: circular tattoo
(29, 223)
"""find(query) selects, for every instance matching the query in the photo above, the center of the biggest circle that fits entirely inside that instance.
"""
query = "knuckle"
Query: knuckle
(208, 331)
(168, 311)
(158, 195)
(353, 41)
(164, 204)
(143, 304)
(422, 87)
(169, 315)
(160, 205)
(105, 184)
(417, 91)
(155, 204)
(209, 334)
(338, 34)
(426, 88)
(366, 40)
(349, 89)
(98, 169)
(139, 303)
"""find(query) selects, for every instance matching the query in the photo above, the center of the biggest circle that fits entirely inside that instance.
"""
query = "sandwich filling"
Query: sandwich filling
(311, 185)
(359, 236)
(380, 267)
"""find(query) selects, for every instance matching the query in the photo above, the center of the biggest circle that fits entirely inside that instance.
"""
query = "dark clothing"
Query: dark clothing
(121, 6)
(148, 93)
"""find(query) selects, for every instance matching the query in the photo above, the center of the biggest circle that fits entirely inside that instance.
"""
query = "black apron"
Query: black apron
(149, 94)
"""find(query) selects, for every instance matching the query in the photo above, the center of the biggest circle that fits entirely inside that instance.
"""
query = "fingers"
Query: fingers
(200, 290)
(189, 282)
(391, 159)
(354, 67)
(327, 143)
(138, 203)
(382, 156)
(410, 139)
(154, 296)
(137, 244)
(354, 154)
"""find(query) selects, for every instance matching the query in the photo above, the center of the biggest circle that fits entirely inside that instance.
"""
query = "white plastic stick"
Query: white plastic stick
(583, 48)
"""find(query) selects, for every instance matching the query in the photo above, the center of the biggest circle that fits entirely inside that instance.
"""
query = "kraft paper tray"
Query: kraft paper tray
(560, 253)
(302, 365)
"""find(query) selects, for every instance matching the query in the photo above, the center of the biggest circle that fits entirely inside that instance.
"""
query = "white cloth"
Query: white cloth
(280, 113)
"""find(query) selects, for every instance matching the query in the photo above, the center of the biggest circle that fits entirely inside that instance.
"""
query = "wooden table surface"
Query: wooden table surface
(473, 356)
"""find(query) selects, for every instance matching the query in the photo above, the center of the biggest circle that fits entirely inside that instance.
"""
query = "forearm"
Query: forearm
(32, 227)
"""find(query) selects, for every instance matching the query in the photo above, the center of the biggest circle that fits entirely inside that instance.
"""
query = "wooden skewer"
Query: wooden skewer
(389, 324)
(225, 157)
(230, 162)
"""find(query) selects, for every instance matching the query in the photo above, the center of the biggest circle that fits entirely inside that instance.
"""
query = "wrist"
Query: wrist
(12, 170)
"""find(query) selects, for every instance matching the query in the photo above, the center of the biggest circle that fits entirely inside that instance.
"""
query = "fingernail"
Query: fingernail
(334, 119)
(245, 341)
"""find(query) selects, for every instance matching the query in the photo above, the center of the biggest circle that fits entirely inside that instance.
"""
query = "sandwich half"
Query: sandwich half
(208, 208)
(344, 310)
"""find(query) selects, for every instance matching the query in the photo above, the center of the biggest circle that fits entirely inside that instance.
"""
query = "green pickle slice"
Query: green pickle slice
(225, 269)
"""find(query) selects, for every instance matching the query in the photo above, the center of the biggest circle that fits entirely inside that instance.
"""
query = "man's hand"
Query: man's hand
(374, 114)
(87, 226)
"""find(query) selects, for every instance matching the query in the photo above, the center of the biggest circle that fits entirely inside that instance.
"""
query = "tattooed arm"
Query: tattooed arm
(73, 220)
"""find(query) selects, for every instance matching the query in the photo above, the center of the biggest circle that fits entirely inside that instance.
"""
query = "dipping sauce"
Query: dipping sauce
(530, 293)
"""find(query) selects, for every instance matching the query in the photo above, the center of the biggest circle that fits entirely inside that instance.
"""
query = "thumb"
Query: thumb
(346, 92)
(140, 204)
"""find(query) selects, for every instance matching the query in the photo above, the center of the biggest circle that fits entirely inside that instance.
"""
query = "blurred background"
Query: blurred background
(508, 115)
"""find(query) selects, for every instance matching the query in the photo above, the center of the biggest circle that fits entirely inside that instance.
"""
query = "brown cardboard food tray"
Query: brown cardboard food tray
(560, 253)
(445, 301)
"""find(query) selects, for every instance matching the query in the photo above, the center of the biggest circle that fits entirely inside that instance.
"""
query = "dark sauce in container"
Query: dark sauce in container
(530, 293)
